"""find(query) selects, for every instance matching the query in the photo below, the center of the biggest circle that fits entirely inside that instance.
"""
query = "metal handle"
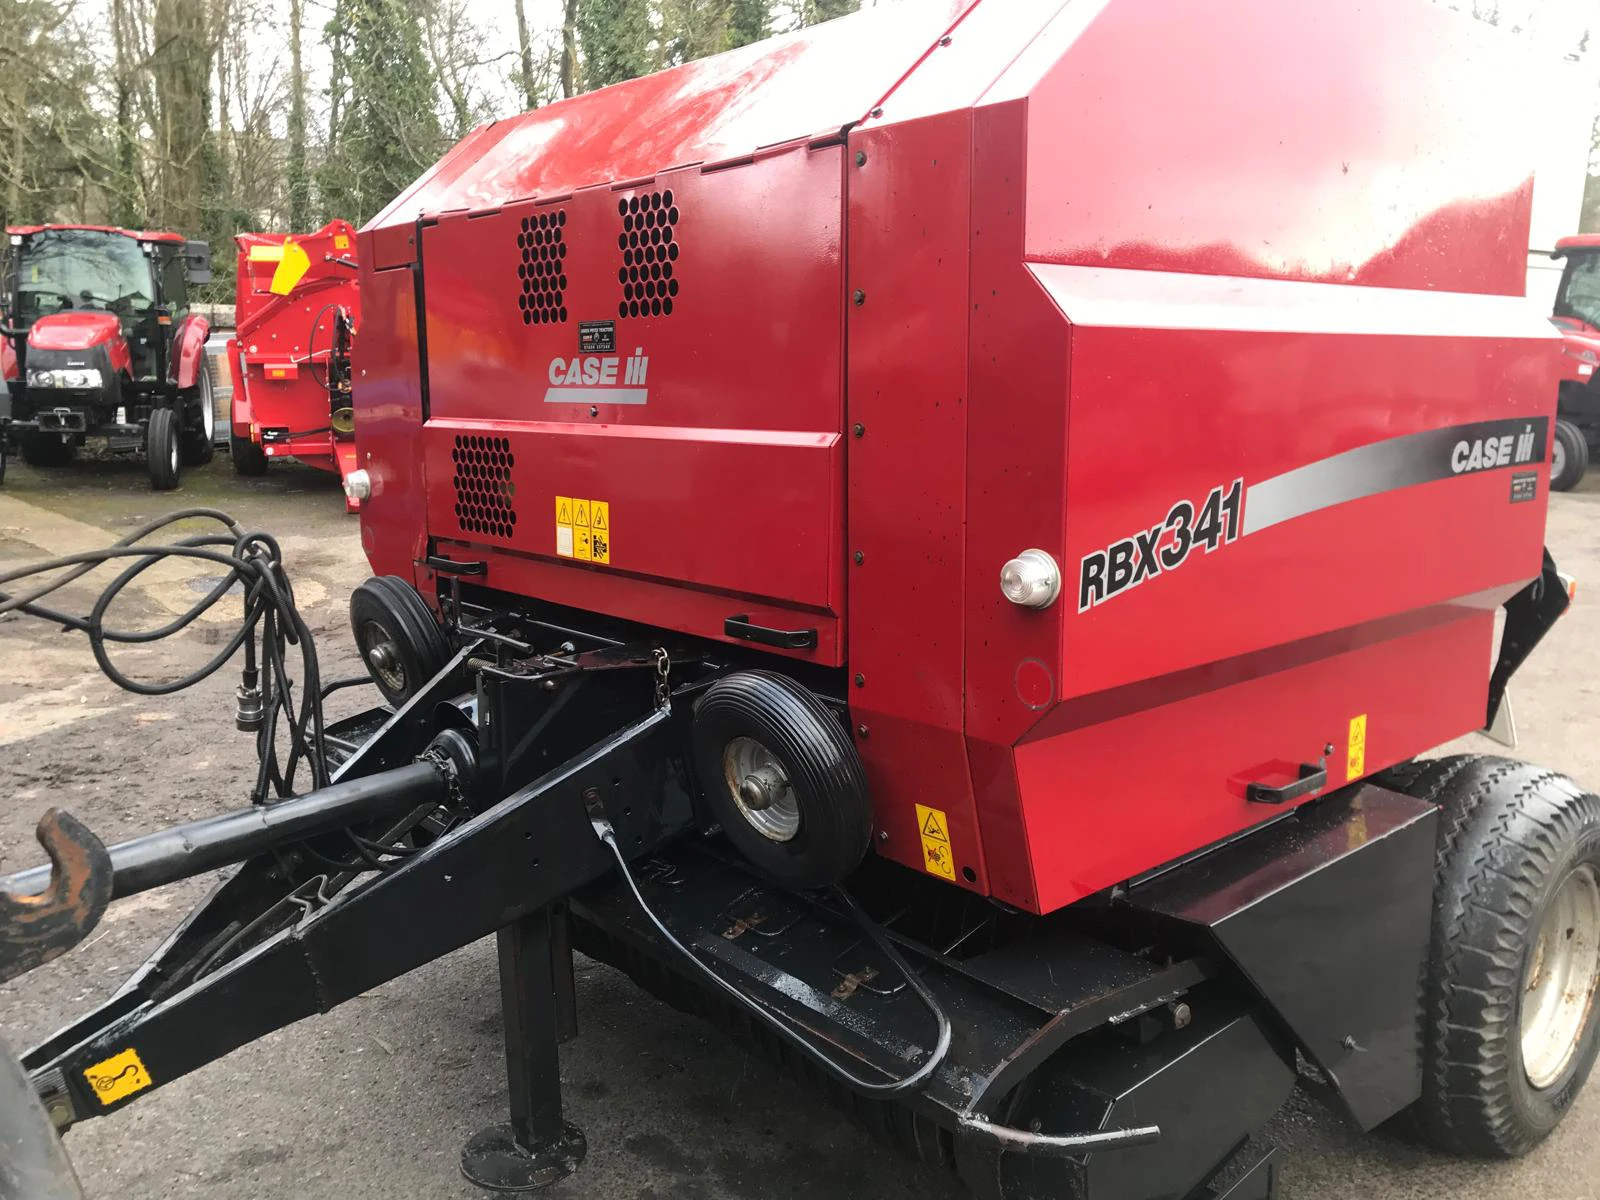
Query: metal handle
(447, 566)
(1313, 778)
(784, 639)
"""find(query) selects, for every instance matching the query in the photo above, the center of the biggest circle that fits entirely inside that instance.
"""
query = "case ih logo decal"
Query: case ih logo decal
(1234, 511)
(1164, 547)
(1486, 454)
(599, 379)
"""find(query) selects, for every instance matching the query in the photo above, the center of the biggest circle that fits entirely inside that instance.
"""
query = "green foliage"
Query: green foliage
(54, 148)
(616, 41)
(748, 21)
(388, 131)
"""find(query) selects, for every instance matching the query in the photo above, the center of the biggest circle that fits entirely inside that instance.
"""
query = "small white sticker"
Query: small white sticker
(564, 540)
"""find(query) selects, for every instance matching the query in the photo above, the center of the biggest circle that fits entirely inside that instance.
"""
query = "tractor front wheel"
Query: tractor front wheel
(248, 458)
(199, 405)
(46, 450)
(161, 452)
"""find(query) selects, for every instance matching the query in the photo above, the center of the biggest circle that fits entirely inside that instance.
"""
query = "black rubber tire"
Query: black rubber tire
(5, 454)
(162, 459)
(248, 458)
(816, 753)
(46, 450)
(1509, 834)
(1575, 447)
(197, 447)
(407, 623)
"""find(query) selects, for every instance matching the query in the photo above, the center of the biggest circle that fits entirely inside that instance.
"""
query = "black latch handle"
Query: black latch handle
(1313, 779)
(784, 639)
(448, 566)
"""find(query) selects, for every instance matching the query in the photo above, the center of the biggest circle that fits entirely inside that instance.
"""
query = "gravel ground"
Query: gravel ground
(375, 1099)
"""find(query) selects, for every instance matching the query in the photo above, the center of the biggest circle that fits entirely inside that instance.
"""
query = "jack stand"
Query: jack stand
(537, 1148)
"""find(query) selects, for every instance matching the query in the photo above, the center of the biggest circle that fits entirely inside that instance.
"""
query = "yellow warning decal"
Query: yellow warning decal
(266, 253)
(934, 828)
(1356, 758)
(118, 1077)
(583, 529)
(341, 241)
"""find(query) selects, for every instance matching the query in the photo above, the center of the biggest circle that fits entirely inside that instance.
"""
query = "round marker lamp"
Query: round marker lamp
(1031, 579)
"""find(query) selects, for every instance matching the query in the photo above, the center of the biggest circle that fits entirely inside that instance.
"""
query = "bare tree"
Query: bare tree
(298, 174)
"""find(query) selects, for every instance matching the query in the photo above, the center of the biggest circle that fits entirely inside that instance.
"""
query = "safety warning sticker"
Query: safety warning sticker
(1356, 759)
(934, 828)
(118, 1077)
(583, 529)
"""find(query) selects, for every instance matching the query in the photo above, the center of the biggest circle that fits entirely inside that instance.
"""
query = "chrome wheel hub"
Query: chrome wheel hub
(1559, 986)
(382, 657)
(761, 789)
(1558, 459)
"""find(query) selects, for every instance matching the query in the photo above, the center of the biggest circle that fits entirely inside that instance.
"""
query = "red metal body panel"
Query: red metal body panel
(142, 235)
(75, 330)
(188, 350)
(1578, 241)
(710, 438)
(8, 359)
(1074, 268)
(280, 357)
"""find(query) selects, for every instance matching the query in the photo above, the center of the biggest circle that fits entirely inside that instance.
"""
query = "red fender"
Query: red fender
(188, 349)
(8, 359)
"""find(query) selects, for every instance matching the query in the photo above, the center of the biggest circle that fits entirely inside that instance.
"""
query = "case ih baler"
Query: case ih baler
(781, 595)
(299, 303)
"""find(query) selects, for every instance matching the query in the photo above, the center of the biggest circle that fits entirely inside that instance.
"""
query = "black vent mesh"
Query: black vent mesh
(543, 269)
(650, 248)
(484, 490)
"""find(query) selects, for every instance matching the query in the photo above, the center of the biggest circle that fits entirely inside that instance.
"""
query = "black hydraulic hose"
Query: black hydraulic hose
(192, 849)
(778, 1024)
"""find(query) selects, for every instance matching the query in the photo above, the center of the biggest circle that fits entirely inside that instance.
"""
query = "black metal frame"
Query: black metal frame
(1073, 1029)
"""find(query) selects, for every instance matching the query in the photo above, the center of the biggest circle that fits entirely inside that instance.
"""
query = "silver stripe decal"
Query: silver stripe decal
(1383, 467)
(596, 395)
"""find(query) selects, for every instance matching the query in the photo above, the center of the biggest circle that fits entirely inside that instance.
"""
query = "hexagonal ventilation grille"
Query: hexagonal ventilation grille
(650, 249)
(484, 490)
(543, 269)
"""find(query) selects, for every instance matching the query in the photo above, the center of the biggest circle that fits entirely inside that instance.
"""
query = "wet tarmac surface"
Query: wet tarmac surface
(375, 1099)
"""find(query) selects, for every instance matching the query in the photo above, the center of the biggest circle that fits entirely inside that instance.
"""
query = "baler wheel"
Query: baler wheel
(161, 449)
(782, 778)
(1569, 457)
(248, 458)
(1510, 1027)
(400, 642)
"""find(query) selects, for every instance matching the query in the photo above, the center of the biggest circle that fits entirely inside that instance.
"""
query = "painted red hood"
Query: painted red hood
(1581, 344)
(74, 330)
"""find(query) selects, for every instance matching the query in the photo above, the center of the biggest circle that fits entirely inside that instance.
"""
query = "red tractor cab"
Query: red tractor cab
(298, 306)
(99, 342)
(1577, 315)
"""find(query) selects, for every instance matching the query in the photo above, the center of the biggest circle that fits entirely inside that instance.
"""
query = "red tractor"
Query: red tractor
(298, 305)
(1577, 315)
(99, 342)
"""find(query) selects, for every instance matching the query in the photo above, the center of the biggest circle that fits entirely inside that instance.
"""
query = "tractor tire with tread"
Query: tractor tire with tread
(162, 455)
(1569, 458)
(388, 612)
(46, 450)
(249, 459)
(833, 810)
(197, 443)
(1512, 839)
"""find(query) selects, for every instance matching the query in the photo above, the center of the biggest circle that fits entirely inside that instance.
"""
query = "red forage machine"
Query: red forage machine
(936, 542)
(298, 306)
